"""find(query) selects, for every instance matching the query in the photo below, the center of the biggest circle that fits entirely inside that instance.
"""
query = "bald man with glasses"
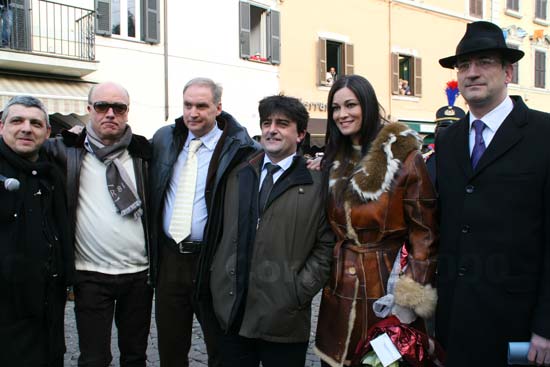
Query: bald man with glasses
(107, 177)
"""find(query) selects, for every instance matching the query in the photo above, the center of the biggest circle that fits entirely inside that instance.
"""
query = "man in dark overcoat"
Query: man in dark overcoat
(493, 176)
(36, 257)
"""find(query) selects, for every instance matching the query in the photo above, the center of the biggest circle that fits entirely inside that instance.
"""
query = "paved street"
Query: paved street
(197, 355)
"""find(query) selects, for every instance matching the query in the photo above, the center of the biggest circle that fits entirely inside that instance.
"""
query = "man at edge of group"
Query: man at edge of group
(190, 162)
(275, 251)
(36, 257)
(493, 176)
(107, 189)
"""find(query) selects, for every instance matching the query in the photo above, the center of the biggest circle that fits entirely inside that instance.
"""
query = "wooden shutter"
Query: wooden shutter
(417, 77)
(322, 64)
(151, 21)
(274, 37)
(103, 17)
(394, 73)
(540, 69)
(348, 59)
(512, 5)
(541, 7)
(244, 26)
(21, 25)
(476, 8)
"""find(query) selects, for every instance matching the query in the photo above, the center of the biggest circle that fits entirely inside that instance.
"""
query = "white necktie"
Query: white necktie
(180, 225)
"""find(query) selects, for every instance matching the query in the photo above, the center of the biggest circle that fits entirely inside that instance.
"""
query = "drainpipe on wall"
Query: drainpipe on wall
(165, 31)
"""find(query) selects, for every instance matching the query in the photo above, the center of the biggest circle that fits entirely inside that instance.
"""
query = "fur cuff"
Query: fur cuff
(420, 298)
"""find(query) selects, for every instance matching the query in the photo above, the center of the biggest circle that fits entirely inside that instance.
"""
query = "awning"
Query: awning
(59, 96)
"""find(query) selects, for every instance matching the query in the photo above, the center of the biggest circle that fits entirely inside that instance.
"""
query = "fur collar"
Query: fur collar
(363, 179)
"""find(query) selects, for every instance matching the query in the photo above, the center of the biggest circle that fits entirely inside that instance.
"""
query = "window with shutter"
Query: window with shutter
(476, 8)
(540, 9)
(512, 5)
(133, 19)
(259, 33)
(335, 58)
(406, 75)
(540, 69)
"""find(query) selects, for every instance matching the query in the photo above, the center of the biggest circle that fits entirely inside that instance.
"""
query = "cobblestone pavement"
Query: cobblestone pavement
(197, 355)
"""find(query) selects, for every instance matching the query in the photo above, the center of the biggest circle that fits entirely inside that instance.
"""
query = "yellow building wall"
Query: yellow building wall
(429, 29)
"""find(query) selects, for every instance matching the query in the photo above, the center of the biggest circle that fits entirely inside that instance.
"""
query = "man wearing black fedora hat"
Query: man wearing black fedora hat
(493, 177)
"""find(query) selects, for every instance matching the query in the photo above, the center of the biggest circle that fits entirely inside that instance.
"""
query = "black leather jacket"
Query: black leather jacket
(69, 152)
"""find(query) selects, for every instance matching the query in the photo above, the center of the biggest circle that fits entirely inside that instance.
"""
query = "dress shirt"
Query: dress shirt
(204, 155)
(284, 164)
(492, 120)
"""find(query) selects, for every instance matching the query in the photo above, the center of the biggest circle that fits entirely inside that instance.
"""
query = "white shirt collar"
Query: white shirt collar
(209, 140)
(494, 118)
(284, 164)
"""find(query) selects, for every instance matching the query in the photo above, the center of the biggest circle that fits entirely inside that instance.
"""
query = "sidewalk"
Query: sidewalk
(197, 355)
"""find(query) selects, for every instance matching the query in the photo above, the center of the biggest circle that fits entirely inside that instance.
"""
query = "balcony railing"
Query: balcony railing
(50, 28)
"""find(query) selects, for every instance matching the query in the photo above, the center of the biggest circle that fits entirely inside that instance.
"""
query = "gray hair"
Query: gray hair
(206, 82)
(27, 101)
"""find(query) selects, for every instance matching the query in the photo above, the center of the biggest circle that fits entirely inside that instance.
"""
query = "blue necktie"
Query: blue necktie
(479, 144)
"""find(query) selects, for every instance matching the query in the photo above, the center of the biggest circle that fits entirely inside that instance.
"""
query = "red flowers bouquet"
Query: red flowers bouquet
(416, 348)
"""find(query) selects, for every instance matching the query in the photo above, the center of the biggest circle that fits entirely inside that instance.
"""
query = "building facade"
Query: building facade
(255, 48)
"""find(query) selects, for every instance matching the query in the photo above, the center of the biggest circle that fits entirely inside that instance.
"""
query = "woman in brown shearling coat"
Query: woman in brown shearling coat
(381, 197)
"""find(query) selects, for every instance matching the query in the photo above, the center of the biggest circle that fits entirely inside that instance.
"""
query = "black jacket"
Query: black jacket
(69, 152)
(494, 264)
(36, 261)
(234, 146)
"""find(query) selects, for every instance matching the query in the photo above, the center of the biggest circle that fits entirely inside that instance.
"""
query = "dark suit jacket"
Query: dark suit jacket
(494, 267)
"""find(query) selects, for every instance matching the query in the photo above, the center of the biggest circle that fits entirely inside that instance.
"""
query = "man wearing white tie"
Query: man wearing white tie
(189, 162)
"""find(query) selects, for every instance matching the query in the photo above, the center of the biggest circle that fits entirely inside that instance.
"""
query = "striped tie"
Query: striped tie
(180, 225)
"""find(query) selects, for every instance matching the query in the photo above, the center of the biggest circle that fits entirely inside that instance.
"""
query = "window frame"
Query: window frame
(415, 81)
(147, 20)
(272, 36)
(346, 59)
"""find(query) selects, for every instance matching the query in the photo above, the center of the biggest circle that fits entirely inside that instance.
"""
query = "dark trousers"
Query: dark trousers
(174, 309)
(238, 351)
(100, 296)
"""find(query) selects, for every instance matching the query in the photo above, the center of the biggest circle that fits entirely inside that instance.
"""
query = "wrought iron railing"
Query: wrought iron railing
(41, 26)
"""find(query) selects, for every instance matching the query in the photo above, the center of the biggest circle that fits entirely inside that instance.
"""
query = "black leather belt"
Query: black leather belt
(189, 247)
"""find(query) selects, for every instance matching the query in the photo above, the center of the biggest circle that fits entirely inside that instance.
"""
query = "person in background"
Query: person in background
(331, 76)
(36, 256)
(6, 16)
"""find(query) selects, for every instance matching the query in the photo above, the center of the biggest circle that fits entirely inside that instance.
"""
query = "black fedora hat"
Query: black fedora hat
(479, 37)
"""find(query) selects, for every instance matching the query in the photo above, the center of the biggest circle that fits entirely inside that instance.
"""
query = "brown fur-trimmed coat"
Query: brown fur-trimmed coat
(378, 203)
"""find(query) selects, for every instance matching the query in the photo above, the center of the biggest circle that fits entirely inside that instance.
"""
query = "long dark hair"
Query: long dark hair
(373, 116)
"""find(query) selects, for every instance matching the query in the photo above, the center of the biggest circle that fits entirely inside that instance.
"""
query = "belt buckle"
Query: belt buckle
(180, 245)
